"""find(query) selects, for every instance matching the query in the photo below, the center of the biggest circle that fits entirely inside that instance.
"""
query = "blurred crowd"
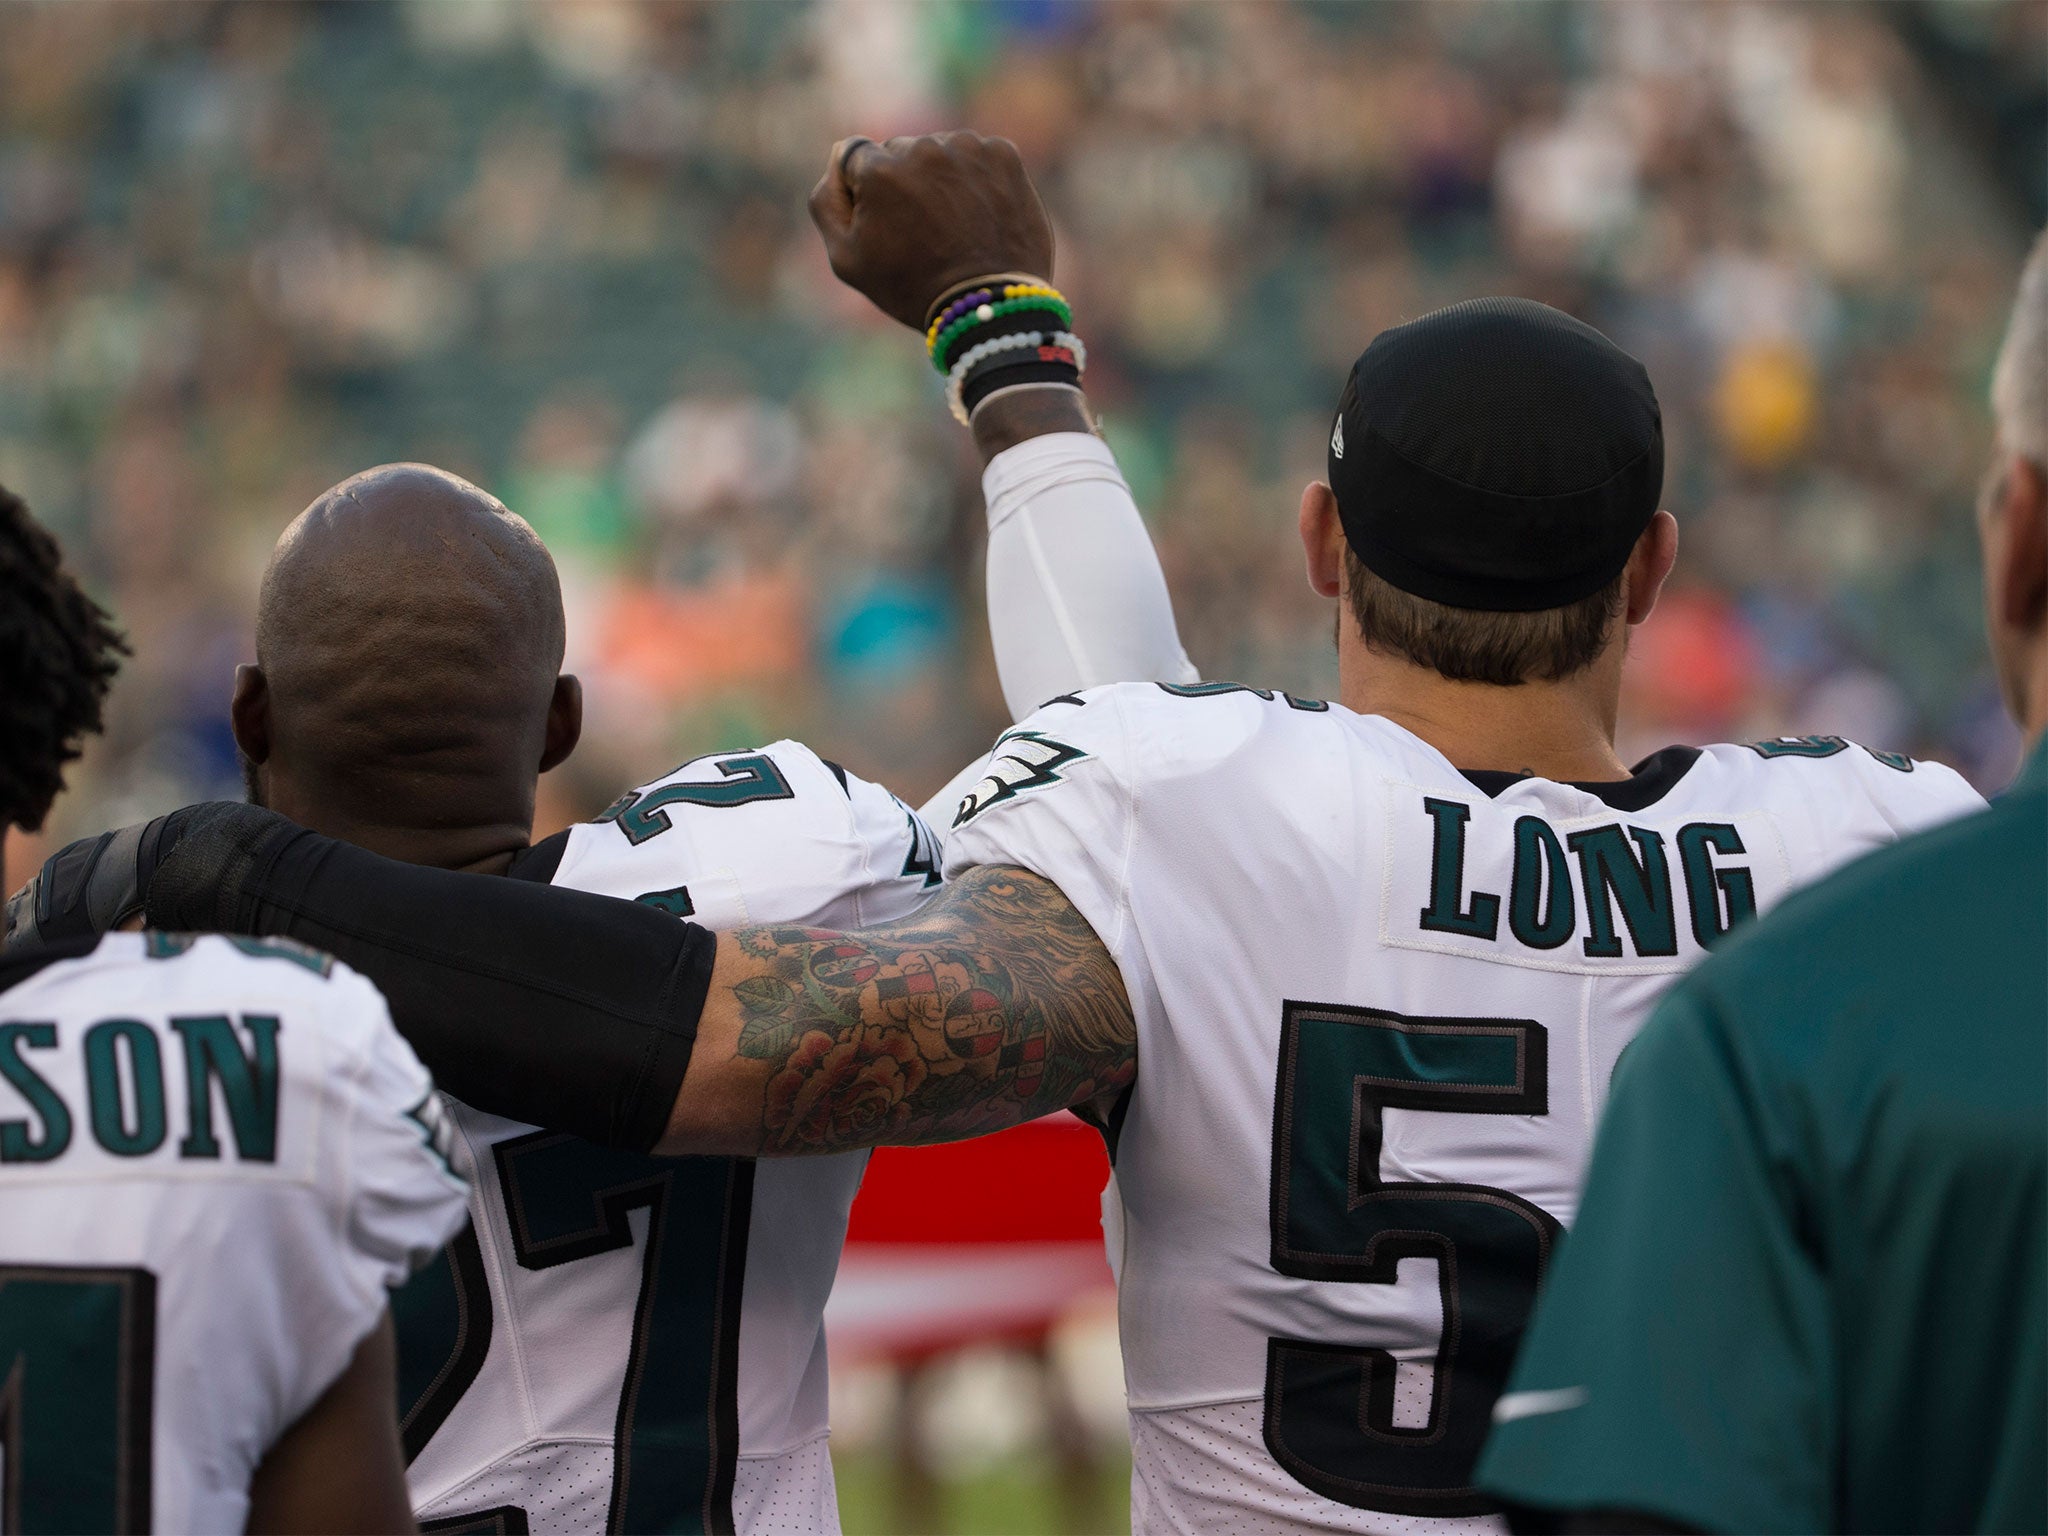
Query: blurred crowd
(560, 248)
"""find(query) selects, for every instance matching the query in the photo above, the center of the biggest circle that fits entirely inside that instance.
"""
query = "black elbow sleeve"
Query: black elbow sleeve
(562, 1009)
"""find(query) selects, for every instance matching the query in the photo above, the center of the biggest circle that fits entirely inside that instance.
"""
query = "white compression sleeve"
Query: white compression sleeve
(1075, 593)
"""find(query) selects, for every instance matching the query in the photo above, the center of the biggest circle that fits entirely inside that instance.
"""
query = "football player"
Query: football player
(1342, 981)
(215, 1156)
(619, 1342)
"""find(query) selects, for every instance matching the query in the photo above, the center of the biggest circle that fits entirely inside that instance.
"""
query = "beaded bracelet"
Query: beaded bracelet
(1015, 324)
(1038, 298)
(990, 348)
(1050, 346)
(985, 280)
(969, 361)
(971, 303)
(961, 307)
(954, 311)
(1027, 342)
(966, 360)
(1059, 349)
(944, 352)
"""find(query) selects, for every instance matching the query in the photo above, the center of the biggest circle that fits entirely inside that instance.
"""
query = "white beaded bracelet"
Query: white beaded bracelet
(956, 379)
(974, 354)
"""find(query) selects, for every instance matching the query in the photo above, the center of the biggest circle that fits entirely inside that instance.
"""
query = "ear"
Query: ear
(2019, 577)
(1649, 564)
(1322, 539)
(565, 723)
(249, 713)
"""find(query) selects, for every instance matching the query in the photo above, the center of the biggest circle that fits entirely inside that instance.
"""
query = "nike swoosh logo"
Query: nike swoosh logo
(1527, 1405)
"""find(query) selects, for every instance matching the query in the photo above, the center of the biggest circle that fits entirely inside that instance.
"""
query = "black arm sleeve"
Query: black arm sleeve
(565, 1010)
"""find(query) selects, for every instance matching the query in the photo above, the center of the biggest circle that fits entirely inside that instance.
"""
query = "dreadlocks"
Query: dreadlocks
(58, 653)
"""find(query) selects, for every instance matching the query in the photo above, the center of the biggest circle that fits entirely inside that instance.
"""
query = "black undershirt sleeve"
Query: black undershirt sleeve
(566, 1010)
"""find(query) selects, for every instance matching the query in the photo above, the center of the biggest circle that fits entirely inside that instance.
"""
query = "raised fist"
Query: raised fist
(907, 220)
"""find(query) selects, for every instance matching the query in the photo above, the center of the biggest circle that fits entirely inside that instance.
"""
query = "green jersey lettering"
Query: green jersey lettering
(144, 1087)
(1447, 912)
(1719, 897)
(248, 1084)
(16, 1144)
(1641, 887)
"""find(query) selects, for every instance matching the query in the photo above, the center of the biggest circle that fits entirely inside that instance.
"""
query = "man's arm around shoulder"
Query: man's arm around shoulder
(992, 1006)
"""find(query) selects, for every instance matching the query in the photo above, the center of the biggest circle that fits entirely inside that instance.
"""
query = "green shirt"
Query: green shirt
(1806, 1288)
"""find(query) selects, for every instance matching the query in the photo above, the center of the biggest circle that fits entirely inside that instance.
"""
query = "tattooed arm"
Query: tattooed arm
(994, 1005)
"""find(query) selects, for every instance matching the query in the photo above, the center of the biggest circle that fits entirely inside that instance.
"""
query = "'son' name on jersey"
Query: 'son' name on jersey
(1378, 1002)
(216, 1156)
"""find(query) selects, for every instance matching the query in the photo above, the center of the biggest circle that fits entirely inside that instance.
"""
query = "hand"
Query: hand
(99, 883)
(82, 890)
(906, 220)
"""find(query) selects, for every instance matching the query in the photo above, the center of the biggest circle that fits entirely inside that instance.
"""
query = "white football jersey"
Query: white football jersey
(216, 1155)
(1378, 1001)
(635, 1344)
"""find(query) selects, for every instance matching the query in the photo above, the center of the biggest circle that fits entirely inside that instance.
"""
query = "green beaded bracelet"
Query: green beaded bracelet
(987, 312)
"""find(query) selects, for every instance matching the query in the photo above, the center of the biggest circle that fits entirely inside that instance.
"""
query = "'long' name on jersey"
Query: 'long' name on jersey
(1378, 1002)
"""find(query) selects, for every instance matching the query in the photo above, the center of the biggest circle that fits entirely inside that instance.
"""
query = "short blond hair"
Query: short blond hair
(1479, 645)
(2019, 386)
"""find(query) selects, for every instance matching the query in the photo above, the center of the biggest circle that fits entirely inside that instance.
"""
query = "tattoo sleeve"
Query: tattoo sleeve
(992, 1006)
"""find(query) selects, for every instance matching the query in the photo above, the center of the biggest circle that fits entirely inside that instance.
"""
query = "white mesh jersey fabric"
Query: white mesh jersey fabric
(1279, 878)
(561, 1486)
(788, 1495)
(565, 1486)
(1206, 1472)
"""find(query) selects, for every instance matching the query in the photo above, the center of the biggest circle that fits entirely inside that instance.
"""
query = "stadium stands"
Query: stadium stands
(244, 250)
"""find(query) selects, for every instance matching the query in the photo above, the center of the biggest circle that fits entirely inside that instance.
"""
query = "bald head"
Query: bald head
(408, 640)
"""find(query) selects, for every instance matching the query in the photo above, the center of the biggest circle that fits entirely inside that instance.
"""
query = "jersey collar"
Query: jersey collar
(539, 862)
(1649, 782)
(14, 970)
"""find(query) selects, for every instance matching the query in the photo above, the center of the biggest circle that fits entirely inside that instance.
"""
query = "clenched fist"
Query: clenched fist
(907, 220)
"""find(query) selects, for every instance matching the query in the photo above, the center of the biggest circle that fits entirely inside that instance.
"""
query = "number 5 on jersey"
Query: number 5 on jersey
(1330, 1405)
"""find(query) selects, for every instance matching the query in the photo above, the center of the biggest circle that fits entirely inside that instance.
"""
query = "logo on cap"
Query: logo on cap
(1337, 438)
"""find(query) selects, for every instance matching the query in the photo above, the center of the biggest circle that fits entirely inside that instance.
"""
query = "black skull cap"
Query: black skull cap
(1496, 455)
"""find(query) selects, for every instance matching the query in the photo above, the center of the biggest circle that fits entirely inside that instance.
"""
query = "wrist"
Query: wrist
(1020, 412)
(997, 337)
